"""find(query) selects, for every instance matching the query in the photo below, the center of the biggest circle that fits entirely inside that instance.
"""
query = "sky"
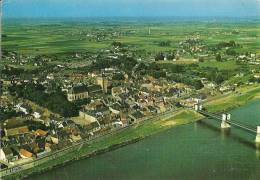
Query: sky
(131, 8)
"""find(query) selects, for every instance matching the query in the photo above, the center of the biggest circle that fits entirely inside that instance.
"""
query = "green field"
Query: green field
(226, 65)
(49, 37)
(240, 97)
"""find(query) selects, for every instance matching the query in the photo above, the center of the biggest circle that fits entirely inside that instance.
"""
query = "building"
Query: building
(89, 121)
(77, 93)
(116, 91)
(103, 82)
(94, 90)
(87, 117)
(16, 131)
(25, 154)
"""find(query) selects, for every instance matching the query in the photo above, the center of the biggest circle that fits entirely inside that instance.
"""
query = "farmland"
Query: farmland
(116, 73)
(50, 37)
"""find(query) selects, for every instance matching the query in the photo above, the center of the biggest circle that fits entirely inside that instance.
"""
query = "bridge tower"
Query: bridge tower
(225, 118)
(198, 107)
(257, 138)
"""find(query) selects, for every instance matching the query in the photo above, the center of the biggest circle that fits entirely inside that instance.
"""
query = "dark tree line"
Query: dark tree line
(55, 102)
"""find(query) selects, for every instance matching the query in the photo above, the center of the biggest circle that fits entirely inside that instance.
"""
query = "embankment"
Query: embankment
(238, 98)
(109, 142)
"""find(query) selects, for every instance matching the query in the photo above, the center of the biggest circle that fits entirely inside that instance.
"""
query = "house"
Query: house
(123, 118)
(25, 154)
(19, 107)
(2, 155)
(77, 93)
(94, 105)
(161, 107)
(116, 91)
(226, 89)
(257, 75)
(93, 127)
(102, 114)
(54, 140)
(16, 131)
(87, 117)
(117, 124)
(135, 116)
(115, 108)
(34, 147)
(94, 89)
(36, 115)
(7, 155)
(40, 132)
(47, 147)
(75, 137)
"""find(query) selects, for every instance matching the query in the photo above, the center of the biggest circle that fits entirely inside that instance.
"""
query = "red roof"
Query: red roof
(25, 153)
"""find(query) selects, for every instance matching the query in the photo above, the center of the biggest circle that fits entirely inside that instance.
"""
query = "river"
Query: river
(194, 151)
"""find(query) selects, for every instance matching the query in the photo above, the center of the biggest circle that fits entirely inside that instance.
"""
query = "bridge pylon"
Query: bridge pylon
(224, 123)
(198, 107)
(257, 138)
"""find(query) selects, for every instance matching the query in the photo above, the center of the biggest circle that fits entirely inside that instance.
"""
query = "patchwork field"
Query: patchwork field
(47, 37)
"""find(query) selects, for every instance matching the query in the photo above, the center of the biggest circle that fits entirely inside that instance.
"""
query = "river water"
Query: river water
(194, 151)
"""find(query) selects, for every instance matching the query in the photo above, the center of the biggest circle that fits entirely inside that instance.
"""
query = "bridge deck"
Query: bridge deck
(231, 122)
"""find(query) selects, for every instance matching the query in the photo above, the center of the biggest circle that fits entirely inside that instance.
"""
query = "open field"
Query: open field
(61, 36)
(226, 65)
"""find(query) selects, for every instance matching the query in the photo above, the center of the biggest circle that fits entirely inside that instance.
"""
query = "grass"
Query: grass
(225, 65)
(42, 38)
(236, 80)
(139, 131)
(151, 127)
(240, 97)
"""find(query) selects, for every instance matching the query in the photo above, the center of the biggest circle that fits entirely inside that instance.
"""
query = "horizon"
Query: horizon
(129, 20)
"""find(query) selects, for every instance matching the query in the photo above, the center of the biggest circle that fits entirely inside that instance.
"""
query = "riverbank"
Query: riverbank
(199, 150)
(145, 128)
(110, 142)
(238, 98)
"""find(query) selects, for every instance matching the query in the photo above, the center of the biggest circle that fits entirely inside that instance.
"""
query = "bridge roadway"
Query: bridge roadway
(231, 122)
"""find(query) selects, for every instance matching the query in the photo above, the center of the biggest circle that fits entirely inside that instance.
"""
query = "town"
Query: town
(51, 101)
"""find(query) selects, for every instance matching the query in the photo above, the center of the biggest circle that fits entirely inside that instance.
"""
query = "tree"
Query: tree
(117, 44)
(118, 77)
(198, 84)
(159, 56)
(231, 52)
(232, 43)
(219, 79)
(218, 57)
(56, 102)
(201, 59)
(165, 43)
(171, 56)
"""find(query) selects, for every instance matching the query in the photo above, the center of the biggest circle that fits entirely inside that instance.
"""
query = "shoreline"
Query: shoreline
(95, 153)
(138, 132)
(112, 141)
(228, 102)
